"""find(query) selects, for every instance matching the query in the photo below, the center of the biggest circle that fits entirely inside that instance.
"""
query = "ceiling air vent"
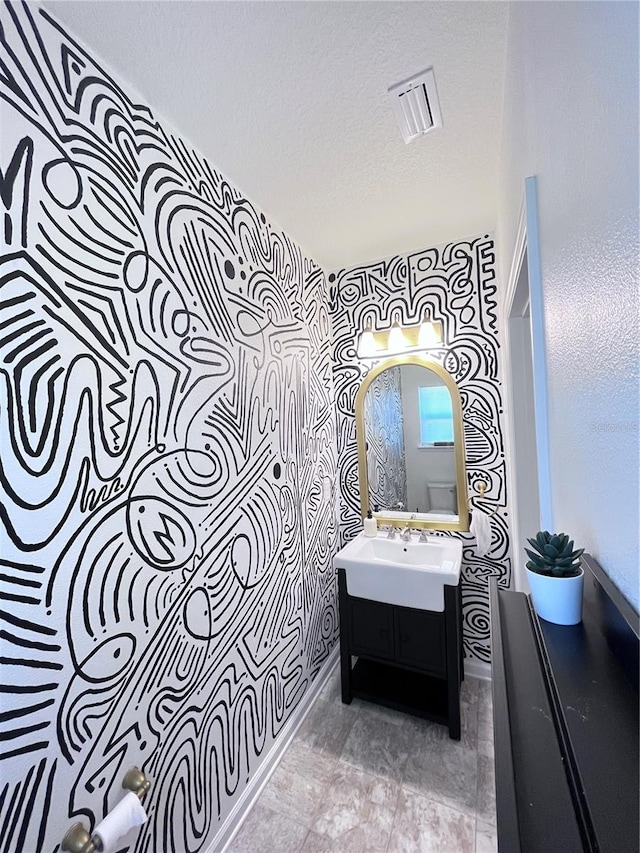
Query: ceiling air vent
(415, 103)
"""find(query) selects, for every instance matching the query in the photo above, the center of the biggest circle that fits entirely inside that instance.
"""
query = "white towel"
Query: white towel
(481, 529)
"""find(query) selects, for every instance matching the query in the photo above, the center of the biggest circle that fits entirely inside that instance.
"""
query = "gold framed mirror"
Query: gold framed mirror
(411, 445)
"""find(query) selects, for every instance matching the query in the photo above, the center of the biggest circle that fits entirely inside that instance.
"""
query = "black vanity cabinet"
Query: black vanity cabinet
(407, 659)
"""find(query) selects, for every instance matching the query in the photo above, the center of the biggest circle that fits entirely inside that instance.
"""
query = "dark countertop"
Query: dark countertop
(567, 723)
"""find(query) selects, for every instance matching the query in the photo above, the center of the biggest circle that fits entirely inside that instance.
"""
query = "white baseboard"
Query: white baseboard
(477, 669)
(234, 819)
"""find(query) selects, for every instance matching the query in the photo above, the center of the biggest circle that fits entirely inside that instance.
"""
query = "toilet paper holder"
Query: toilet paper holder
(78, 840)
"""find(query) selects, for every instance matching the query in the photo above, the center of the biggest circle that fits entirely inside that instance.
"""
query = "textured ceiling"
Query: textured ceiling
(289, 100)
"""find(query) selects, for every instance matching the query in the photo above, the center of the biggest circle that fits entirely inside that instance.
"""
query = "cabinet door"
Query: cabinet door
(370, 628)
(420, 639)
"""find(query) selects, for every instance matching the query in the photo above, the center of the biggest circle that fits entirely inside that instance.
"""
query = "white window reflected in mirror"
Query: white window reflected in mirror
(435, 411)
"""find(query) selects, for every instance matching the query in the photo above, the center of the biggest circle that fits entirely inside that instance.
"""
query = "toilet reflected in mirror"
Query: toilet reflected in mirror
(441, 498)
(409, 424)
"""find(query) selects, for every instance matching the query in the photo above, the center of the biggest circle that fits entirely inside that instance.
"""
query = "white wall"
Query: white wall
(571, 118)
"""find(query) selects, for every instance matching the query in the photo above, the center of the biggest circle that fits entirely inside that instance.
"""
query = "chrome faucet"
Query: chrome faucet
(392, 533)
(406, 533)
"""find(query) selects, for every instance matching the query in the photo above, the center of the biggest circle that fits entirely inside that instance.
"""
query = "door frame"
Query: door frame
(527, 242)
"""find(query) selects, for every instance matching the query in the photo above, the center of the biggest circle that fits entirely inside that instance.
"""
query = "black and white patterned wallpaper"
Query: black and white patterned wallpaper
(456, 284)
(384, 433)
(168, 462)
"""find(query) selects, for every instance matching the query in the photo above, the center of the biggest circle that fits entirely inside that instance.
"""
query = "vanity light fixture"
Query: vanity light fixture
(397, 341)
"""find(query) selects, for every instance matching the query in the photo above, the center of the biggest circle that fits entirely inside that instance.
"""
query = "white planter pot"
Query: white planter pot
(557, 600)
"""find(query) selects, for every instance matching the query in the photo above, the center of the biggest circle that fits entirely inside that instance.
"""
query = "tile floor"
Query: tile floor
(360, 778)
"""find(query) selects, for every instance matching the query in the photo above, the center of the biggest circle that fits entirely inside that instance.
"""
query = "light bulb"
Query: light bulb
(367, 346)
(428, 335)
(397, 340)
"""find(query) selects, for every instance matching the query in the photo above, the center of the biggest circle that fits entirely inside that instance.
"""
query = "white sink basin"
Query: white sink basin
(409, 574)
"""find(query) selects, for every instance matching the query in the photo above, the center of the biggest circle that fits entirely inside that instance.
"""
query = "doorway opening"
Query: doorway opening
(527, 389)
(527, 496)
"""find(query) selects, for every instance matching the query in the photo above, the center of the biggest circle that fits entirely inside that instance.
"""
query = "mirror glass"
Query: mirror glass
(410, 446)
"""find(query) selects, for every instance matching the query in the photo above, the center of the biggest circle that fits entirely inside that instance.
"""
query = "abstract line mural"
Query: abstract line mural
(384, 435)
(456, 284)
(168, 461)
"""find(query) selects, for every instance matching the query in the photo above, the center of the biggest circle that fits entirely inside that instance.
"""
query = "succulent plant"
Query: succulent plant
(554, 555)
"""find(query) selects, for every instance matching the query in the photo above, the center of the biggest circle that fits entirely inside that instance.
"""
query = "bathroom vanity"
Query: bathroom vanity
(400, 592)
(405, 658)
